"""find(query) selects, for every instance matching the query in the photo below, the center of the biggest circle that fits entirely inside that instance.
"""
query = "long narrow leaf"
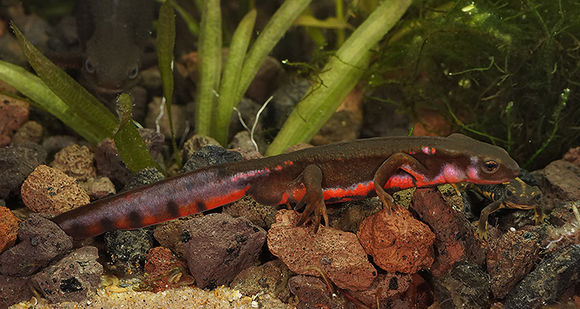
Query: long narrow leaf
(129, 143)
(165, 44)
(93, 112)
(231, 77)
(32, 87)
(338, 77)
(268, 38)
(210, 60)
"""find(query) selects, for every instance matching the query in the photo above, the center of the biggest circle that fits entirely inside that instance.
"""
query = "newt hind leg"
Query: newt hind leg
(311, 177)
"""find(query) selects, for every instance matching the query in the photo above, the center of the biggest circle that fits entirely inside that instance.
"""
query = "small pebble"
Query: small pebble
(16, 163)
(30, 131)
(8, 228)
(76, 161)
(13, 113)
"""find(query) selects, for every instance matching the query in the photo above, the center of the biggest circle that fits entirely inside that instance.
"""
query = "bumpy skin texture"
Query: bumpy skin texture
(314, 176)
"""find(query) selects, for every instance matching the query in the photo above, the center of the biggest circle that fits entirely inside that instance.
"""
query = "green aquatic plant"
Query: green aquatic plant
(60, 95)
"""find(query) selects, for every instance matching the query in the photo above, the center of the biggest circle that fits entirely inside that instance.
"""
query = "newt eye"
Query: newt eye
(133, 72)
(89, 67)
(509, 193)
(490, 166)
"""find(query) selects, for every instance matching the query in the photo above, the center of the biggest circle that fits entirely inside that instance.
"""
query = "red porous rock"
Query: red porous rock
(51, 192)
(8, 228)
(165, 271)
(76, 161)
(334, 253)
(397, 241)
(13, 113)
(385, 288)
(455, 238)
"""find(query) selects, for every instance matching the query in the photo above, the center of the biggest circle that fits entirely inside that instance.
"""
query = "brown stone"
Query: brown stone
(8, 228)
(13, 113)
(397, 241)
(334, 253)
(76, 161)
(52, 192)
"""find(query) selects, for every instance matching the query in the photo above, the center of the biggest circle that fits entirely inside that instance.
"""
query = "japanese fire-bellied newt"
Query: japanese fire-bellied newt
(311, 177)
(517, 194)
(113, 35)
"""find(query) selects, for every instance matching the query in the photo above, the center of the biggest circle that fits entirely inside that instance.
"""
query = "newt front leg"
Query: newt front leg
(389, 168)
(311, 177)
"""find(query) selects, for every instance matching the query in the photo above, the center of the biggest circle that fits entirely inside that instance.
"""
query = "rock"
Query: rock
(562, 179)
(271, 277)
(71, 278)
(109, 162)
(143, 177)
(16, 162)
(210, 155)
(259, 214)
(573, 156)
(99, 187)
(314, 293)
(40, 241)
(161, 123)
(172, 235)
(165, 271)
(195, 143)
(51, 192)
(510, 258)
(431, 123)
(76, 161)
(349, 216)
(397, 242)
(242, 143)
(55, 143)
(30, 132)
(220, 247)
(128, 249)
(268, 78)
(284, 100)
(455, 238)
(8, 228)
(385, 288)
(464, 286)
(14, 290)
(336, 254)
(13, 113)
(552, 276)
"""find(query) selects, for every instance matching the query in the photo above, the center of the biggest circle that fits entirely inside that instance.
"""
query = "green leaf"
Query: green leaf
(329, 23)
(128, 141)
(338, 77)
(78, 99)
(231, 77)
(32, 87)
(278, 24)
(210, 61)
(165, 45)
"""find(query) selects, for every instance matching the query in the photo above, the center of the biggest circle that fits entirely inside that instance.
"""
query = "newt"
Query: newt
(517, 194)
(310, 177)
(113, 35)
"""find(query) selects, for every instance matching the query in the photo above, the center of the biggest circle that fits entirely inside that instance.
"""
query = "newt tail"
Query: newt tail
(312, 177)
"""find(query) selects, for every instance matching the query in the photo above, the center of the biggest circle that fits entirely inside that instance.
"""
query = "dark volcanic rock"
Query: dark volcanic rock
(128, 249)
(143, 177)
(71, 278)
(313, 293)
(551, 277)
(16, 162)
(13, 290)
(41, 240)
(464, 286)
(510, 258)
(220, 247)
(210, 155)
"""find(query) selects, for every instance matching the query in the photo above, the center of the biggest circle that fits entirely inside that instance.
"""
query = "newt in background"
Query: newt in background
(517, 194)
(113, 35)
(312, 177)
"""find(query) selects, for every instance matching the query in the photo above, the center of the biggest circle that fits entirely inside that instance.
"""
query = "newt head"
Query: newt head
(111, 64)
(484, 163)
